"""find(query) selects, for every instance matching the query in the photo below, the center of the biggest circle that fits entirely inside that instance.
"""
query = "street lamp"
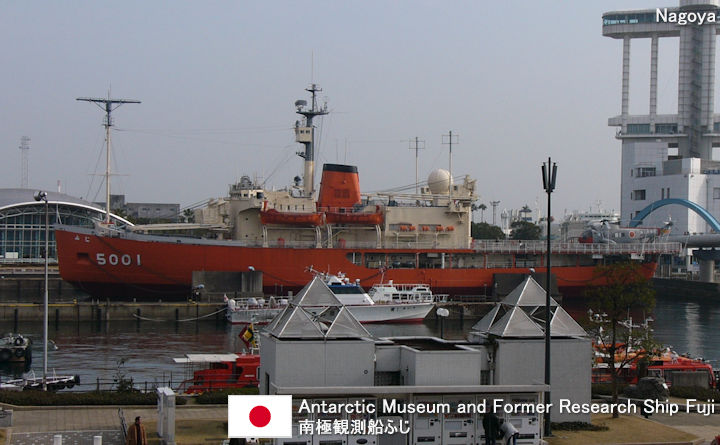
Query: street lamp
(549, 172)
(42, 196)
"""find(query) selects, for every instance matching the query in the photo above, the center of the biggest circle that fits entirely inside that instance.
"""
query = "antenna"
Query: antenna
(447, 139)
(24, 150)
(109, 105)
(419, 144)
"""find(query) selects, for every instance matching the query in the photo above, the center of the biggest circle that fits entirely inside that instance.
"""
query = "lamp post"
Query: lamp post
(42, 196)
(549, 172)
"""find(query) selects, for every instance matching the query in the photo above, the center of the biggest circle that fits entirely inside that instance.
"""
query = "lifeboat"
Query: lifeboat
(370, 219)
(272, 216)
(335, 215)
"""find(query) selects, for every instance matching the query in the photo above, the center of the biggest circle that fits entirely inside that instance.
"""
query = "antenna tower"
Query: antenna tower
(305, 134)
(450, 139)
(108, 105)
(24, 151)
(418, 145)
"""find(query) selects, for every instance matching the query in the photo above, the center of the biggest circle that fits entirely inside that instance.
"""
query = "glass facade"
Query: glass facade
(22, 229)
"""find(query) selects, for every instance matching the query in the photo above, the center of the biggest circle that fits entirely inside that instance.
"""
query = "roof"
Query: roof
(17, 197)
(12, 197)
(316, 313)
(522, 315)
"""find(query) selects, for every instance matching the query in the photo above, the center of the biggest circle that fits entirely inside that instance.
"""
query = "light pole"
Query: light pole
(549, 172)
(42, 196)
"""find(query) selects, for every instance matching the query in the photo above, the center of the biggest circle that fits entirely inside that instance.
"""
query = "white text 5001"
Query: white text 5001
(118, 260)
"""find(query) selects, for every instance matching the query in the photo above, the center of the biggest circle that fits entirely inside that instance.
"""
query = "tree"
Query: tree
(625, 289)
(524, 230)
(188, 216)
(484, 230)
(482, 208)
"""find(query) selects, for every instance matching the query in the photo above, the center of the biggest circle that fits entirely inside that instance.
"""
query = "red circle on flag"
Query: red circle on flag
(259, 416)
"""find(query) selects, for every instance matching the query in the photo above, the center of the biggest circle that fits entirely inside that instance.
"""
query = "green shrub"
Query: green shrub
(40, 398)
(694, 392)
(221, 397)
(605, 389)
(577, 426)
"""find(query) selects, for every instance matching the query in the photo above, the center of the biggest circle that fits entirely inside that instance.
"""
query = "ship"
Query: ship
(420, 236)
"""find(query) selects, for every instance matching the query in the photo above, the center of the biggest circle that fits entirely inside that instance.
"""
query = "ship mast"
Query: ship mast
(108, 105)
(305, 134)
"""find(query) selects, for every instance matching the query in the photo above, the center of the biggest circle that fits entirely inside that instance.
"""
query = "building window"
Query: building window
(643, 172)
(716, 192)
(638, 129)
(638, 195)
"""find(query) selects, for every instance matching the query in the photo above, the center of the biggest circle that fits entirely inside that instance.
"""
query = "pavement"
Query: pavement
(78, 425)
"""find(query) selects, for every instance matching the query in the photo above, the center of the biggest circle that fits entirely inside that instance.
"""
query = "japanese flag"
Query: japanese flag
(259, 416)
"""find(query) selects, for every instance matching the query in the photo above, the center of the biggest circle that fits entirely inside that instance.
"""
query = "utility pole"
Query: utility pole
(108, 105)
(549, 173)
(24, 151)
(450, 139)
(419, 144)
(494, 205)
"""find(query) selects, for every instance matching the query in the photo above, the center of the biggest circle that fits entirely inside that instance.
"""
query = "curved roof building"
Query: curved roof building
(22, 222)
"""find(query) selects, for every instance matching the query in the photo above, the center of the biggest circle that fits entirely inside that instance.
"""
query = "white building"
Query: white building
(670, 155)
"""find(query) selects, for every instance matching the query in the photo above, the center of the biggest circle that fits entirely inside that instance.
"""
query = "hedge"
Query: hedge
(221, 397)
(40, 398)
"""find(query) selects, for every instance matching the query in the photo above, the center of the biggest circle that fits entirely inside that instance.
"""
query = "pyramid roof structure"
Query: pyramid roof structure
(528, 293)
(316, 313)
(516, 323)
(522, 315)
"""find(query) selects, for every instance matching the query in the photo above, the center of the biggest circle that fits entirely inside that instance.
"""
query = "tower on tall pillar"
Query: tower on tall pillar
(24, 152)
(670, 155)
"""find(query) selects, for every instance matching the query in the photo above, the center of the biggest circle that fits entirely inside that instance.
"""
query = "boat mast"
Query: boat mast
(108, 105)
(306, 135)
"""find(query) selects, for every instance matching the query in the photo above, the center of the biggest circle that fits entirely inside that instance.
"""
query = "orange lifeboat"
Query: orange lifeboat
(338, 216)
(272, 216)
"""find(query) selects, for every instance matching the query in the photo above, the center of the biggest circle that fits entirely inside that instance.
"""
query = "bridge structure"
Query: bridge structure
(707, 254)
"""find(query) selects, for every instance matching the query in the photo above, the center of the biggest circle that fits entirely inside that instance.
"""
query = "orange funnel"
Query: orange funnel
(340, 187)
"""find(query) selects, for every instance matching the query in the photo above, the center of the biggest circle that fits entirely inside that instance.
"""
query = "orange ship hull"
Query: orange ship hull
(118, 267)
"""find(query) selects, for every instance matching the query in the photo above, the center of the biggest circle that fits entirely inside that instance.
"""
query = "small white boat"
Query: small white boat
(253, 310)
(15, 348)
(54, 382)
(385, 303)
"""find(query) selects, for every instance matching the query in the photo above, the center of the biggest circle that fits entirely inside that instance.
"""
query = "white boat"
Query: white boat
(384, 303)
(14, 348)
(253, 310)
(54, 382)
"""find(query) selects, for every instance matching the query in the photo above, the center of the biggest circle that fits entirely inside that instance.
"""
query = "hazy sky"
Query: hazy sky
(518, 81)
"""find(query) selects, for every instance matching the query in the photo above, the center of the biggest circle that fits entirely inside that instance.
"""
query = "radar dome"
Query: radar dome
(439, 181)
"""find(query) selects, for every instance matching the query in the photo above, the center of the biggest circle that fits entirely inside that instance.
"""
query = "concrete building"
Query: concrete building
(316, 351)
(670, 155)
(144, 212)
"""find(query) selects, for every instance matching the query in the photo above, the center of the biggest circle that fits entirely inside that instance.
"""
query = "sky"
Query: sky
(517, 81)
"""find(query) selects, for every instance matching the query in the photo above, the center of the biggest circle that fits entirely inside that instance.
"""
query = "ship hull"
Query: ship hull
(120, 267)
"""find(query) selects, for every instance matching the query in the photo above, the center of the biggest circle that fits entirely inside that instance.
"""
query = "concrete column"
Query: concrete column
(707, 270)
(653, 81)
(625, 82)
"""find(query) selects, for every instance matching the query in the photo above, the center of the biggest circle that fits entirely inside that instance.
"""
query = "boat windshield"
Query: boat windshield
(345, 290)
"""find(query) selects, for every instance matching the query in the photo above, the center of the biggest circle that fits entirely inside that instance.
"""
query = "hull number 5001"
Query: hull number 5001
(115, 259)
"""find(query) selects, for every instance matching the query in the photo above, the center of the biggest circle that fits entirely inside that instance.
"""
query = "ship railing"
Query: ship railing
(534, 247)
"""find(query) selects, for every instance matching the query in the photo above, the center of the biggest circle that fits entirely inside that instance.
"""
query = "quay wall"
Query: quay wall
(105, 311)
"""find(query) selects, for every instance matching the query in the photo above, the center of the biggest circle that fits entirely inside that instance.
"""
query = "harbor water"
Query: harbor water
(144, 350)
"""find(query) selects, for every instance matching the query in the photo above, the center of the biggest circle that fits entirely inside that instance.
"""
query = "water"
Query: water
(93, 350)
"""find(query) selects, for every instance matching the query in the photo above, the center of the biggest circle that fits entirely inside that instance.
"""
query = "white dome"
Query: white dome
(439, 181)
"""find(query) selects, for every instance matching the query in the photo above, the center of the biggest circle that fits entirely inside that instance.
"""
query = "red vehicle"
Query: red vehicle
(663, 365)
(211, 372)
